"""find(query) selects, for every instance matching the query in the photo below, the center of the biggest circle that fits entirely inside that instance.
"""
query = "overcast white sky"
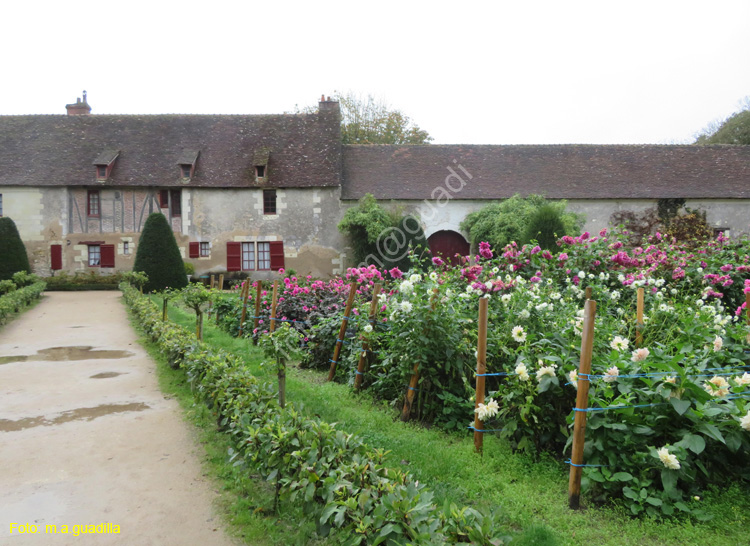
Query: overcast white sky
(502, 72)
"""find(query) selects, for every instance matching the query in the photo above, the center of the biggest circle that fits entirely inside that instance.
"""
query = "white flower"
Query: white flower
(433, 276)
(524, 314)
(382, 298)
(673, 291)
(743, 379)
(659, 295)
(620, 311)
(671, 379)
(619, 343)
(573, 378)
(488, 410)
(555, 296)
(668, 460)
(545, 370)
(406, 287)
(718, 344)
(518, 334)
(615, 295)
(639, 355)
(505, 298)
(659, 282)
(406, 306)
(415, 278)
(717, 386)
(745, 421)
(541, 307)
(612, 374)
(367, 328)
(488, 285)
(523, 373)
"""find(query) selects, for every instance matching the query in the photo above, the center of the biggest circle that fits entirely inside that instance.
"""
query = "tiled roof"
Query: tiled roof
(557, 171)
(303, 149)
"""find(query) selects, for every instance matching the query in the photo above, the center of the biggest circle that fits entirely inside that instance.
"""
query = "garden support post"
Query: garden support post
(639, 319)
(244, 293)
(414, 381)
(256, 323)
(210, 287)
(281, 364)
(164, 310)
(589, 292)
(199, 325)
(342, 331)
(481, 370)
(272, 320)
(582, 403)
(220, 286)
(366, 345)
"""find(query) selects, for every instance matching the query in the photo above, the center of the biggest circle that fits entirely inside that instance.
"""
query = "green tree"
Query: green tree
(734, 130)
(366, 120)
(13, 257)
(406, 245)
(501, 222)
(368, 225)
(159, 257)
(545, 226)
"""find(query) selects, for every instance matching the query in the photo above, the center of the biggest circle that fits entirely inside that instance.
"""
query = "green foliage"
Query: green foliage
(159, 257)
(369, 121)
(668, 209)
(501, 222)
(22, 278)
(735, 130)
(367, 225)
(135, 278)
(406, 247)
(281, 345)
(546, 226)
(7, 286)
(12, 250)
(15, 300)
(189, 268)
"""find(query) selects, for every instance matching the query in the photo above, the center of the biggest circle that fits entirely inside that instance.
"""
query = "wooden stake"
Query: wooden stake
(199, 326)
(211, 287)
(273, 308)
(342, 331)
(244, 293)
(164, 310)
(366, 346)
(220, 286)
(414, 381)
(481, 370)
(639, 319)
(582, 403)
(282, 383)
(589, 292)
(256, 322)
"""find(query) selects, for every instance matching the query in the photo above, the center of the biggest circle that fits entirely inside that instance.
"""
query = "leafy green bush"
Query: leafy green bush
(7, 286)
(12, 302)
(12, 250)
(365, 225)
(189, 268)
(159, 257)
(546, 226)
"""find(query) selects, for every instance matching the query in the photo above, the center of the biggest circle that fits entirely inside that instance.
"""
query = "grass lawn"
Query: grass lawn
(532, 496)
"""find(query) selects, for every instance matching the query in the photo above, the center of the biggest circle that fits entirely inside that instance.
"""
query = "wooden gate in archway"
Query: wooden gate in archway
(446, 244)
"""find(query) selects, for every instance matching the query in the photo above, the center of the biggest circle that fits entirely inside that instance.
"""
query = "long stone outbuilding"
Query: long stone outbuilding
(251, 194)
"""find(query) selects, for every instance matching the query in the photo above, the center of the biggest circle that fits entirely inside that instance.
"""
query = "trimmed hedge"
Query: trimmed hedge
(15, 300)
(339, 481)
(158, 256)
(13, 257)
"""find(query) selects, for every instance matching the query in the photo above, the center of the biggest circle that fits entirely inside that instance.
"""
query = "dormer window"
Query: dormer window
(260, 164)
(187, 161)
(104, 164)
(260, 171)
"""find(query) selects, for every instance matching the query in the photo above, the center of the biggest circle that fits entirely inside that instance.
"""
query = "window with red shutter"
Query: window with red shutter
(107, 255)
(277, 255)
(194, 250)
(163, 199)
(234, 256)
(56, 257)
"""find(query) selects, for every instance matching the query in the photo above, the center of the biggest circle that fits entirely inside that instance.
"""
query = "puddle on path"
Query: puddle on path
(59, 354)
(80, 414)
(105, 375)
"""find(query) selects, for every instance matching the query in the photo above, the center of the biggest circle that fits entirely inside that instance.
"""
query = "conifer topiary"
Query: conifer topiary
(13, 257)
(546, 226)
(159, 257)
(406, 240)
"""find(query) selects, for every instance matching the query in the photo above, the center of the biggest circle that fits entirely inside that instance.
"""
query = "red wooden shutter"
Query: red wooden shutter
(234, 256)
(107, 256)
(195, 250)
(56, 255)
(277, 255)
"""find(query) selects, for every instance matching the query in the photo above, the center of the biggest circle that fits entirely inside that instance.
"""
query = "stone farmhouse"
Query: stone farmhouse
(253, 193)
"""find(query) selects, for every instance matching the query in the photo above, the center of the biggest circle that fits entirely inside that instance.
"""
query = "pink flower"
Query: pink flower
(437, 261)
(546, 255)
(639, 355)
(536, 249)
(563, 256)
(396, 273)
(484, 250)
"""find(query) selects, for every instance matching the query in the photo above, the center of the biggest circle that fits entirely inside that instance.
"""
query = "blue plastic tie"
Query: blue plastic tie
(485, 430)
(358, 372)
(620, 407)
(571, 463)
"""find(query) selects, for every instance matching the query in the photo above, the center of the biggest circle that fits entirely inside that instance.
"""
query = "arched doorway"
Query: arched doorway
(447, 244)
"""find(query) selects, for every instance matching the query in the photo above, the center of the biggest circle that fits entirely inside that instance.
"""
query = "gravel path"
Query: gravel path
(88, 439)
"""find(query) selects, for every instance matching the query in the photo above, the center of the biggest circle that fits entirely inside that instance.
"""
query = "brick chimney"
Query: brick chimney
(80, 108)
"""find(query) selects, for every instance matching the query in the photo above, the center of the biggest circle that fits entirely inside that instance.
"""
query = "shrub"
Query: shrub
(545, 226)
(366, 225)
(406, 247)
(12, 250)
(189, 269)
(159, 257)
(14, 301)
